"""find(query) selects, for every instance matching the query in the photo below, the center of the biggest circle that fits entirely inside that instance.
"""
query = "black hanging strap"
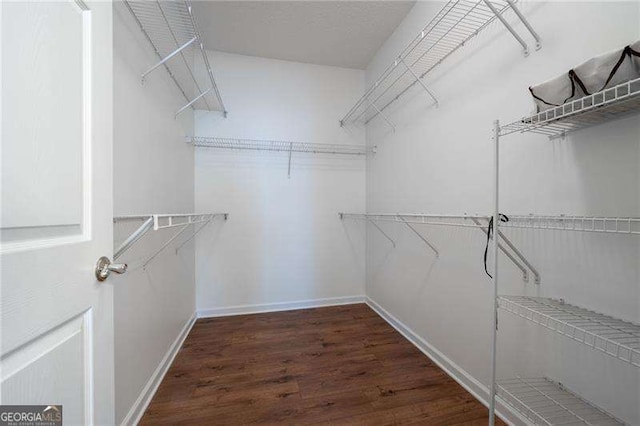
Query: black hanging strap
(627, 51)
(503, 218)
(575, 79)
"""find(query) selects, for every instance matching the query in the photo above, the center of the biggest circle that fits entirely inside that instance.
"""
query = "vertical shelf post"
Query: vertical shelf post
(289, 167)
(496, 232)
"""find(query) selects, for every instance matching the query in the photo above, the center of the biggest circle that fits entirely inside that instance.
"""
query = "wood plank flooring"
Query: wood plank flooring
(337, 365)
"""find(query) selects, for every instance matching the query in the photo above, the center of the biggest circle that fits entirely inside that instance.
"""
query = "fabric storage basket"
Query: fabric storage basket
(592, 76)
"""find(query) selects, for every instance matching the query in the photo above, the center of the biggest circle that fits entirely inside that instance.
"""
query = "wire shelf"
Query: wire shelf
(613, 225)
(612, 336)
(279, 146)
(464, 221)
(609, 104)
(456, 23)
(170, 28)
(162, 221)
(544, 402)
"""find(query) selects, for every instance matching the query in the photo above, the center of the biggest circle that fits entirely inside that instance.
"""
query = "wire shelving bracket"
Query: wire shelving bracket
(609, 104)
(288, 147)
(171, 29)
(511, 251)
(620, 339)
(156, 222)
(456, 23)
(545, 402)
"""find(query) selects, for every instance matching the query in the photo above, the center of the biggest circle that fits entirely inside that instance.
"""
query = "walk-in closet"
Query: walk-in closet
(344, 212)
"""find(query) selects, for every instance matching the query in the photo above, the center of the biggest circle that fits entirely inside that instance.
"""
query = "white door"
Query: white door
(56, 207)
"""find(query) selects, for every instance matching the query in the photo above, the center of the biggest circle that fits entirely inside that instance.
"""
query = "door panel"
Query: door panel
(56, 213)
(46, 88)
(56, 363)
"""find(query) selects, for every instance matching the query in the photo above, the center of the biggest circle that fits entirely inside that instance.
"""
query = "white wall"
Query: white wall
(440, 161)
(283, 241)
(153, 174)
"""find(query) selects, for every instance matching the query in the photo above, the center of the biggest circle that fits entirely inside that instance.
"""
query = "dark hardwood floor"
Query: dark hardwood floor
(338, 365)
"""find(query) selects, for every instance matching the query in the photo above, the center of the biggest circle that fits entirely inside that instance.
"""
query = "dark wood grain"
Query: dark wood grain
(338, 365)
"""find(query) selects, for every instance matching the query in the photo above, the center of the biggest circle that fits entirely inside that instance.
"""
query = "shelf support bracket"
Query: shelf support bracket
(526, 23)
(509, 27)
(415, 231)
(165, 245)
(382, 232)
(381, 114)
(536, 275)
(197, 231)
(525, 272)
(419, 80)
(169, 56)
(194, 100)
(131, 240)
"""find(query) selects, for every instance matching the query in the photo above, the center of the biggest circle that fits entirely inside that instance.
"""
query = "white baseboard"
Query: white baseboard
(466, 380)
(280, 306)
(142, 402)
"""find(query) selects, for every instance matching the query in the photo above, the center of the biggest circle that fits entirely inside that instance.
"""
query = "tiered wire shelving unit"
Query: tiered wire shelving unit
(541, 400)
(456, 23)
(170, 28)
(288, 147)
(157, 222)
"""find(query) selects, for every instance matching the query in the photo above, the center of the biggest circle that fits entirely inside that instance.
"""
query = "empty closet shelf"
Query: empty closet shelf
(157, 222)
(544, 402)
(612, 225)
(609, 104)
(454, 25)
(612, 336)
(278, 146)
(171, 29)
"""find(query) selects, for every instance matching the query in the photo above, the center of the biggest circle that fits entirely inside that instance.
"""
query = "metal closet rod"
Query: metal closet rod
(163, 221)
(511, 251)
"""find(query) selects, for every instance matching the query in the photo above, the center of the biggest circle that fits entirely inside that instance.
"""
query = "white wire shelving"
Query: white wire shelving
(288, 147)
(456, 23)
(614, 337)
(465, 221)
(617, 338)
(157, 222)
(545, 402)
(171, 29)
(609, 104)
(598, 224)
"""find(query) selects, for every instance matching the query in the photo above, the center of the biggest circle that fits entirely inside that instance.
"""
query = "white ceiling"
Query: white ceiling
(338, 33)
